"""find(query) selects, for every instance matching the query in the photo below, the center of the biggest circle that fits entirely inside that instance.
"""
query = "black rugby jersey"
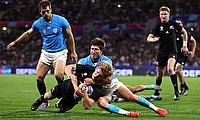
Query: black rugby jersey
(167, 34)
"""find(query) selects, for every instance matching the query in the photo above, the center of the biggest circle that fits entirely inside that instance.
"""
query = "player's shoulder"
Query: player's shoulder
(84, 60)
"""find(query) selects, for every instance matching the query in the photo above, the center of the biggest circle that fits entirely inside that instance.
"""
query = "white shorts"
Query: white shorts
(50, 58)
(110, 88)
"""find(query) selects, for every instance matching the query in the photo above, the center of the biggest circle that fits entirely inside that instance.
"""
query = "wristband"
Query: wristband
(185, 43)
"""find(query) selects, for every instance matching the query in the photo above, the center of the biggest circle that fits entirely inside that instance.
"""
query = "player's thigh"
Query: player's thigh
(59, 68)
(126, 93)
(41, 70)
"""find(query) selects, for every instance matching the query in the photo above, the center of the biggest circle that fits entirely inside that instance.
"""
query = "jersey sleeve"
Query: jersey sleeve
(81, 61)
(84, 68)
(66, 24)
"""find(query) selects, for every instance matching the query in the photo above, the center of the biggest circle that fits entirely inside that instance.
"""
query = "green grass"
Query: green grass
(18, 92)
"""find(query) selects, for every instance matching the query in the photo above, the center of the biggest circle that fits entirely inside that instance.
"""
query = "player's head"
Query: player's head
(164, 13)
(45, 10)
(179, 21)
(103, 73)
(97, 46)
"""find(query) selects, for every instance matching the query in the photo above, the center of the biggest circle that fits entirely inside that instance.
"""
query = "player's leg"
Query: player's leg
(183, 87)
(170, 69)
(41, 71)
(39, 101)
(59, 68)
(126, 93)
(59, 64)
(159, 75)
(103, 102)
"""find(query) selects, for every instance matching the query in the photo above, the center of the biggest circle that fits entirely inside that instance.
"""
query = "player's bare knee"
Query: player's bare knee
(102, 102)
(59, 76)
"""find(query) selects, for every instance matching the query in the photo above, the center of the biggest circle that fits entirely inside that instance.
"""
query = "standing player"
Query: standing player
(97, 46)
(181, 59)
(165, 33)
(53, 29)
(69, 88)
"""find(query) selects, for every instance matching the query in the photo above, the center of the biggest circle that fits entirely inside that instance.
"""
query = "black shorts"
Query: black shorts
(66, 91)
(162, 59)
(181, 59)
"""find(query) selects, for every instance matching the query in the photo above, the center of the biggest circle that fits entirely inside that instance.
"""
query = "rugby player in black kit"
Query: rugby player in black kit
(165, 33)
(96, 77)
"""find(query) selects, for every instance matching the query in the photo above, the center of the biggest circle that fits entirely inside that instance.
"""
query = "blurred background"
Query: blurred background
(124, 24)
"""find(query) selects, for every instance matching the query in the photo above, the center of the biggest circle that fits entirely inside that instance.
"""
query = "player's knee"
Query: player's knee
(170, 71)
(102, 102)
(59, 76)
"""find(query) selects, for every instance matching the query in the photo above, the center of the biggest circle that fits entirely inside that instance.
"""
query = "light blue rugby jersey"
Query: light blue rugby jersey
(88, 60)
(52, 33)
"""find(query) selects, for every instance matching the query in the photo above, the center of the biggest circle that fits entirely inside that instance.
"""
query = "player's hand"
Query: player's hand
(154, 39)
(191, 54)
(79, 92)
(10, 45)
(74, 57)
(72, 77)
(184, 50)
(88, 81)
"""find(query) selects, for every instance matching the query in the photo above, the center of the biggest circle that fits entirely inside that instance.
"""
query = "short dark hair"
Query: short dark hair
(98, 42)
(44, 4)
(179, 19)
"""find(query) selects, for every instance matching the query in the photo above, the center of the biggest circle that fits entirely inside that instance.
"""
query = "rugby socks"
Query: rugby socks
(41, 88)
(115, 109)
(149, 87)
(174, 82)
(142, 101)
(60, 80)
(158, 82)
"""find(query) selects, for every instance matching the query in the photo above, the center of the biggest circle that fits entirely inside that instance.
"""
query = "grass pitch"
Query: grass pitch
(18, 92)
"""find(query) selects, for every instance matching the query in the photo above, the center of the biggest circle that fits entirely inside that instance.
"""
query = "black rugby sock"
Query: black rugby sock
(174, 82)
(158, 82)
(41, 88)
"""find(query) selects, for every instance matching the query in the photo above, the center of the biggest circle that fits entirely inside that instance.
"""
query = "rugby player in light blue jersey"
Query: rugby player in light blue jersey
(53, 29)
(97, 46)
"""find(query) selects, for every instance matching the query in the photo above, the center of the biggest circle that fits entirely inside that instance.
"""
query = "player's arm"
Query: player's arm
(23, 37)
(193, 44)
(69, 72)
(71, 43)
(86, 101)
(152, 38)
(184, 49)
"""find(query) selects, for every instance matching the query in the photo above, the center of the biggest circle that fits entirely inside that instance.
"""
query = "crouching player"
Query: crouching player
(70, 91)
